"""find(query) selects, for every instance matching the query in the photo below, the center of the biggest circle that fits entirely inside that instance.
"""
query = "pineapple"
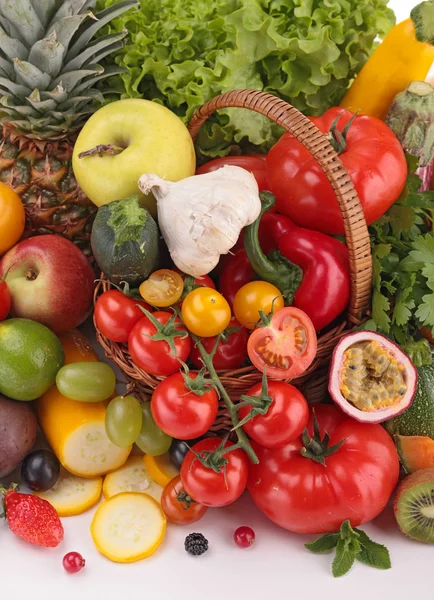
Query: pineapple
(49, 68)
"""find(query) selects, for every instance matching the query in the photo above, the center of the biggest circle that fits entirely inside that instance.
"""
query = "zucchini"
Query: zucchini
(125, 241)
(419, 418)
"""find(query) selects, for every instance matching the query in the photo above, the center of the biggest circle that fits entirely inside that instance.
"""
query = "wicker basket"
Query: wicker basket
(313, 381)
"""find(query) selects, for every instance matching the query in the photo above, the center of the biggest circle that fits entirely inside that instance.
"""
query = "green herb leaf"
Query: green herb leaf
(325, 543)
(402, 218)
(380, 307)
(343, 560)
(371, 553)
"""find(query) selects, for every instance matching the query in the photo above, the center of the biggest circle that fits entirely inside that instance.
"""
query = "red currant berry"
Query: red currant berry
(244, 537)
(73, 562)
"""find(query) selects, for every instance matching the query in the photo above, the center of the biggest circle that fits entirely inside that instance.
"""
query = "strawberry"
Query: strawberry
(32, 519)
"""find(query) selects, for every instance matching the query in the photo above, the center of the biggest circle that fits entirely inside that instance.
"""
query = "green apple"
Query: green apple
(124, 140)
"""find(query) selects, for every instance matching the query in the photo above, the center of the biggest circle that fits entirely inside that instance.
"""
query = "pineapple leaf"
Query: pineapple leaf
(58, 94)
(66, 28)
(30, 75)
(14, 88)
(22, 15)
(40, 105)
(47, 55)
(6, 67)
(107, 51)
(75, 101)
(21, 111)
(45, 10)
(102, 18)
(69, 80)
(108, 72)
(91, 52)
(11, 47)
(70, 8)
(9, 28)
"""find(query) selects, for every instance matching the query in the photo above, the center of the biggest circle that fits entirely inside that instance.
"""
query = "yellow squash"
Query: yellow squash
(405, 55)
(76, 430)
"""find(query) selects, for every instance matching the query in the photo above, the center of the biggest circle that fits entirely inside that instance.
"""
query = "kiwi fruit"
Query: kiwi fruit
(414, 506)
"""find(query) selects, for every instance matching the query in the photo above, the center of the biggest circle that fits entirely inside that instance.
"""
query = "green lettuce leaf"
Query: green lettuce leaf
(186, 52)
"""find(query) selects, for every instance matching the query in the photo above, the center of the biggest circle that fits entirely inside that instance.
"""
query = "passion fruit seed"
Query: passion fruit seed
(371, 377)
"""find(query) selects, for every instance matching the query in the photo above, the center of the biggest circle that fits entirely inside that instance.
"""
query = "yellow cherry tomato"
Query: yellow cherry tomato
(12, 218)
(205, 312)
(254, 297)
(162, 288)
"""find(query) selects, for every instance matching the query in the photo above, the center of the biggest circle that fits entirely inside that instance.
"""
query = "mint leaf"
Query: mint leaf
(343, 560)
(325, 543)
(371, 553)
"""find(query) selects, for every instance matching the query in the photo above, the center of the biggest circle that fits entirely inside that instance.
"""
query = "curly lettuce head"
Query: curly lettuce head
(186, 52)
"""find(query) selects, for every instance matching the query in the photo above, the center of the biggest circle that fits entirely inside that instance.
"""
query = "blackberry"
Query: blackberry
(196, 544)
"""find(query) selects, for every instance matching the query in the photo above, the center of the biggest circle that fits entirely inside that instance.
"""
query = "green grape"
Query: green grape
(152, 440)
(123, 421)
(86, 381)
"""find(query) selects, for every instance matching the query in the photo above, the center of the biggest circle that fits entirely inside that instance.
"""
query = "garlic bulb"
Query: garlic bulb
(201, 217)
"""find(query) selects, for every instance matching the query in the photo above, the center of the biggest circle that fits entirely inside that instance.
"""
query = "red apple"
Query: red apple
(50, 281)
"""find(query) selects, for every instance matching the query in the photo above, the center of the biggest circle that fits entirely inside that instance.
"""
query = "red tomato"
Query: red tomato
(231, 352)
(177, 505)
(284, 420)
(155, 356)
(373, 158)
(255, 163)
(181, 413)
(287, 346)
(209, 487)
(305, 496)
(5, 299)
(116, 314)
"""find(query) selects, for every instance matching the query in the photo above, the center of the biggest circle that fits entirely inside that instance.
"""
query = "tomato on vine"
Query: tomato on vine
(205, 312)
(116, 314)
(162, 288)
(231, 351)
(192, 283)
(256, 297)
(178, 506)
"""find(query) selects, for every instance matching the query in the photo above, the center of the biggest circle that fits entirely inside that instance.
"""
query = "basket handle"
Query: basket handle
(293, 121)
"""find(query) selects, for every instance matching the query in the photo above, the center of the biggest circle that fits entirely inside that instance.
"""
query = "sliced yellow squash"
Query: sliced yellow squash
(132, 477)
(73, 495)
(128, 527)
(160, 468)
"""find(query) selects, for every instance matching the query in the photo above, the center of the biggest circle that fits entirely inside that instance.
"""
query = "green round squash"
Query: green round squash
(125, 241)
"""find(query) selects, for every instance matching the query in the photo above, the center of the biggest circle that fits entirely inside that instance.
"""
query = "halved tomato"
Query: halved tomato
(286, 345)
(163, 288)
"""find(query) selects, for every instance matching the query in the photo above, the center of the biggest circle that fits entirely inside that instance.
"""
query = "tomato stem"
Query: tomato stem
(316, 448)
(243, 441)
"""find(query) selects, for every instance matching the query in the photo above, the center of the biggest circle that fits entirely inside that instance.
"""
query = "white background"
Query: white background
(277, 566)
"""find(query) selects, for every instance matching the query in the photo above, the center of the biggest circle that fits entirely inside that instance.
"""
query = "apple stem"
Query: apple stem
(102, 149)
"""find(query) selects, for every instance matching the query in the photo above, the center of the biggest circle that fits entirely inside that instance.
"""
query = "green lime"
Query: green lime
(30, 356)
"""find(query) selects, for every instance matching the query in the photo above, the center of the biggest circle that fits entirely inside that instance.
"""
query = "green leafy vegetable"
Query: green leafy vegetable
(184, 52)
(403, 267)
(351, 544)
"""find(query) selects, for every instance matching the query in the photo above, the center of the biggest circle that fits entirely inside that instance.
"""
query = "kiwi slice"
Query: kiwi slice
(414, 506)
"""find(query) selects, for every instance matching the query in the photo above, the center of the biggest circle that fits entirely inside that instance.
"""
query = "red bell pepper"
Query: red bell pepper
(310, 268)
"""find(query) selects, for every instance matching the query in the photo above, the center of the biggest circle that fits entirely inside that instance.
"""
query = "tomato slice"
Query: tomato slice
(162, 288)
(286, 346)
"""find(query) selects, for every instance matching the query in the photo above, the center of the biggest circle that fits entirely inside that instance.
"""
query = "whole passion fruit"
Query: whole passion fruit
(371, 378)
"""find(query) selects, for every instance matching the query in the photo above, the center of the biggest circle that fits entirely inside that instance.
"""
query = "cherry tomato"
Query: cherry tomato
(285, 418)
(254, 297)
(213, 488)
(255, 163)
(155, 356)
(116, 314)
(192, 283)
(231, 351)
(178, 506)
(12, 218)
(179, 411)
(163, 288)
(205, 312)
(286, 346)
(355, 482)
(5, 299)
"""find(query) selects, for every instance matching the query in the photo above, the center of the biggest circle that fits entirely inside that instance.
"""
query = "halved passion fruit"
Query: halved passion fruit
(371, 378)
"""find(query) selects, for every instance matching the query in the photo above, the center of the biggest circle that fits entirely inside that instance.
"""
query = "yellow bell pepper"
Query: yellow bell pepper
(405, 55)
(76, 430)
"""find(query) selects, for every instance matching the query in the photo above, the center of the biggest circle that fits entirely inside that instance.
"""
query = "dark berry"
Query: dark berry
(40, 470)
(244, 537)
(73, 562)
(196, 544)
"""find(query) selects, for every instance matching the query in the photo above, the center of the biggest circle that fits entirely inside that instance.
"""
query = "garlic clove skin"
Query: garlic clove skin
(201, 217)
